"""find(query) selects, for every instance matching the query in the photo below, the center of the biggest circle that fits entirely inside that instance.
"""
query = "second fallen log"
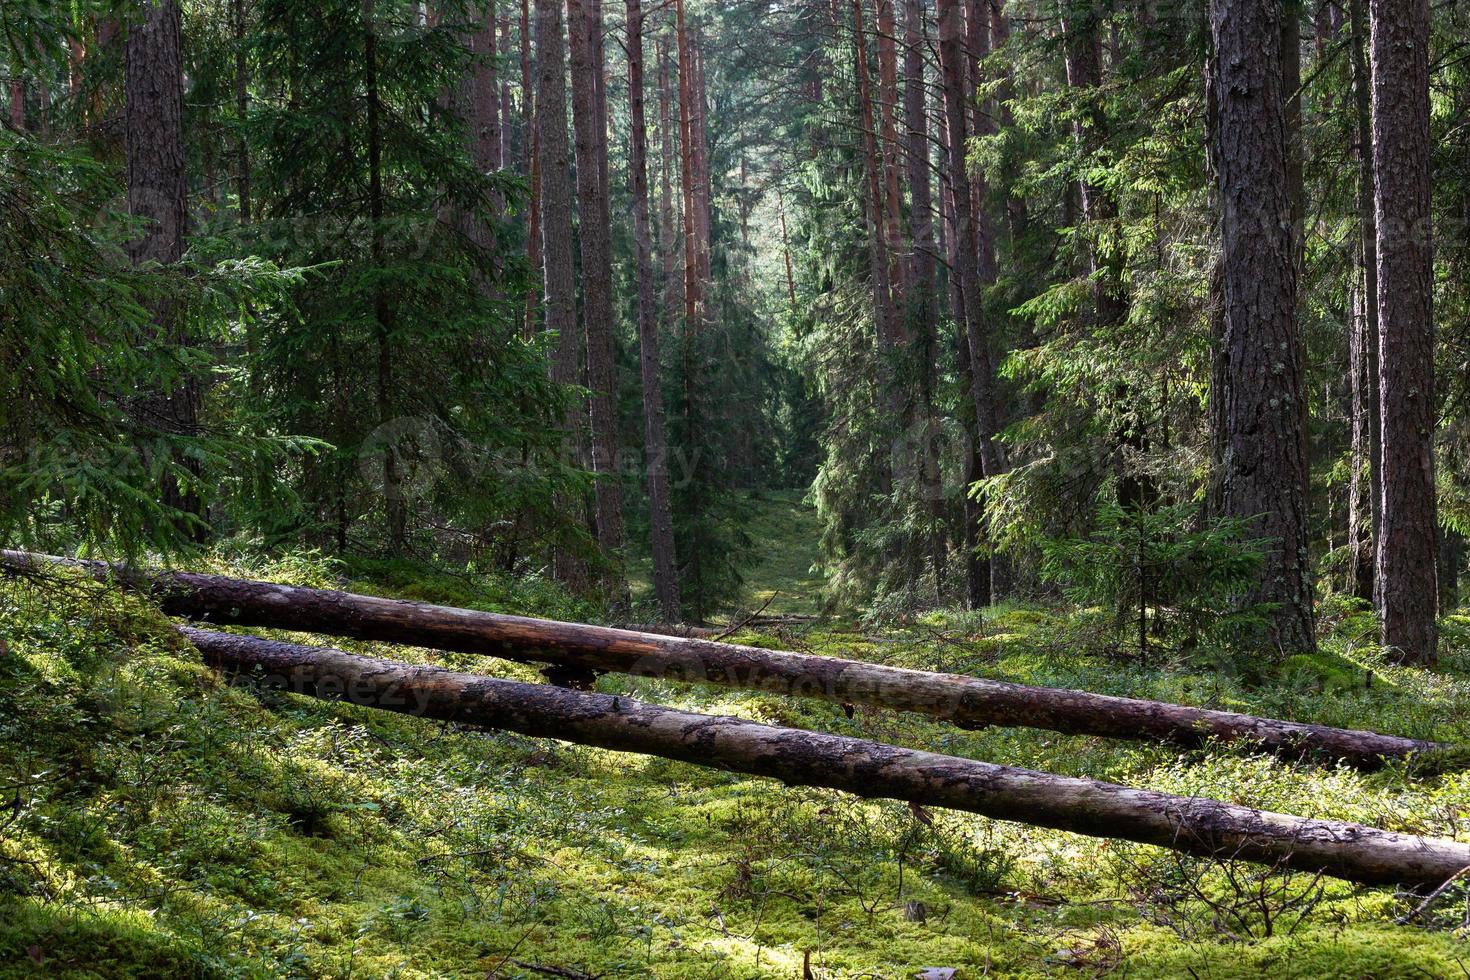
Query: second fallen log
(871, 769)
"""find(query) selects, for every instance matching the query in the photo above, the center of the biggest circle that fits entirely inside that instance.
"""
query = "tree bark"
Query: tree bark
(1262, 398)
(242, 107)
(1451, 544)
(17, 105)
(655, 436)
(558, 275)
(533, 174)
(920, 308)
(693, 299)
(595, 233)
(969, 702)
(966, 252)
(883, 311)
(886, 30)
(786, 252)
(394, 504)
(157, 194)
(483, 103)
(703, 187)
(1193, 825)
(1407, 590)
(667, 240)
(1363, 379)
(507, 109)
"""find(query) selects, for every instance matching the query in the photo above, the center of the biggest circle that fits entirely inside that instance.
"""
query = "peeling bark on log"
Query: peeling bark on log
(969, 702)
(870, 769)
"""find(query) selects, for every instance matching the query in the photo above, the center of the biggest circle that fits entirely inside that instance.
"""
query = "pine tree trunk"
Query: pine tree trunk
(1291, 83)
(1191, 824)
(157, 194)
(595, 234)
(875, 210)
(921, 309)
(1363, 378)
(1367, 420)
(690, 338)
(786, 252)
(558, 274)
(507, 107)
(1407, 589)
(395, 505)
(1451, 546)
(533, 174)
(983, 382)
(886, 42)
(1262, 397)
(482, 106)
(703, 186)
(879, 258)
(668, 241)
(656, 442)
(692, 299)
(17, 105)
(242, 106)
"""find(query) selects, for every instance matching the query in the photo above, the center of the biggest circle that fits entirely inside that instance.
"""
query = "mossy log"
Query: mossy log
(1192, 825)
(577, 649)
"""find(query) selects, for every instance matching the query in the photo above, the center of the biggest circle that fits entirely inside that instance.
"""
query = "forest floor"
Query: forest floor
(155, 821)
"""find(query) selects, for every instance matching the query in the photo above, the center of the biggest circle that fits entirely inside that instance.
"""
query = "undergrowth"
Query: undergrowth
(158, 821)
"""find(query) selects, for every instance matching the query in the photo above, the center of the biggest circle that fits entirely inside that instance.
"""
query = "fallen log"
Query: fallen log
(576, 649)
(1192, 825)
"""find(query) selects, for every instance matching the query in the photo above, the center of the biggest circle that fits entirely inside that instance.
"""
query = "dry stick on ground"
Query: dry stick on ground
(870, 769)
(969, 702)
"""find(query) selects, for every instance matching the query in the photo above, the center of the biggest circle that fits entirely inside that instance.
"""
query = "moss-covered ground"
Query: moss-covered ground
(157, 822)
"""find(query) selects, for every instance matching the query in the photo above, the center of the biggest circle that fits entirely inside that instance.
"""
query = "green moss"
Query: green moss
(1323, 672)
(171, 825)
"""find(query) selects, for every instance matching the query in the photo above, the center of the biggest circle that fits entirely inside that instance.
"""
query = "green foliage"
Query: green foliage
(170, 823)
(405, 346)
(80, 460)
(1160, 572)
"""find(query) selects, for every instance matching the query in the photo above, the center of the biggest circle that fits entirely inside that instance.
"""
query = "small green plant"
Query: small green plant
(1160, 571)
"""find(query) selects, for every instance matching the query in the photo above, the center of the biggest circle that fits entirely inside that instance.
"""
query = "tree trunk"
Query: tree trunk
(969, 702)
(1364, 383)
(667, 240)
(875, 210)
(483, 103)
(692, 298)
(558, 275)
(507, 109)
(703, 188)
(693, 281)
(886, 41)
(1193, 825)
(1407, 591)
(786, 252)
(157, 194)
(395, 505)
(533, 174)
(920, 307)
(966, 252)
(1262, 398)
(1291, 83)
(656, 442)
(1451, 544)
(17, 105)
(242, 107)
(595, 230)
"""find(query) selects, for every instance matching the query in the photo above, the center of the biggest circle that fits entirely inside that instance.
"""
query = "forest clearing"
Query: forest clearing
(804, 489)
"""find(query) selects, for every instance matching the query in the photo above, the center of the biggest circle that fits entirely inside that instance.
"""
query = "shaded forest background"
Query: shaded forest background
(415, 281)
